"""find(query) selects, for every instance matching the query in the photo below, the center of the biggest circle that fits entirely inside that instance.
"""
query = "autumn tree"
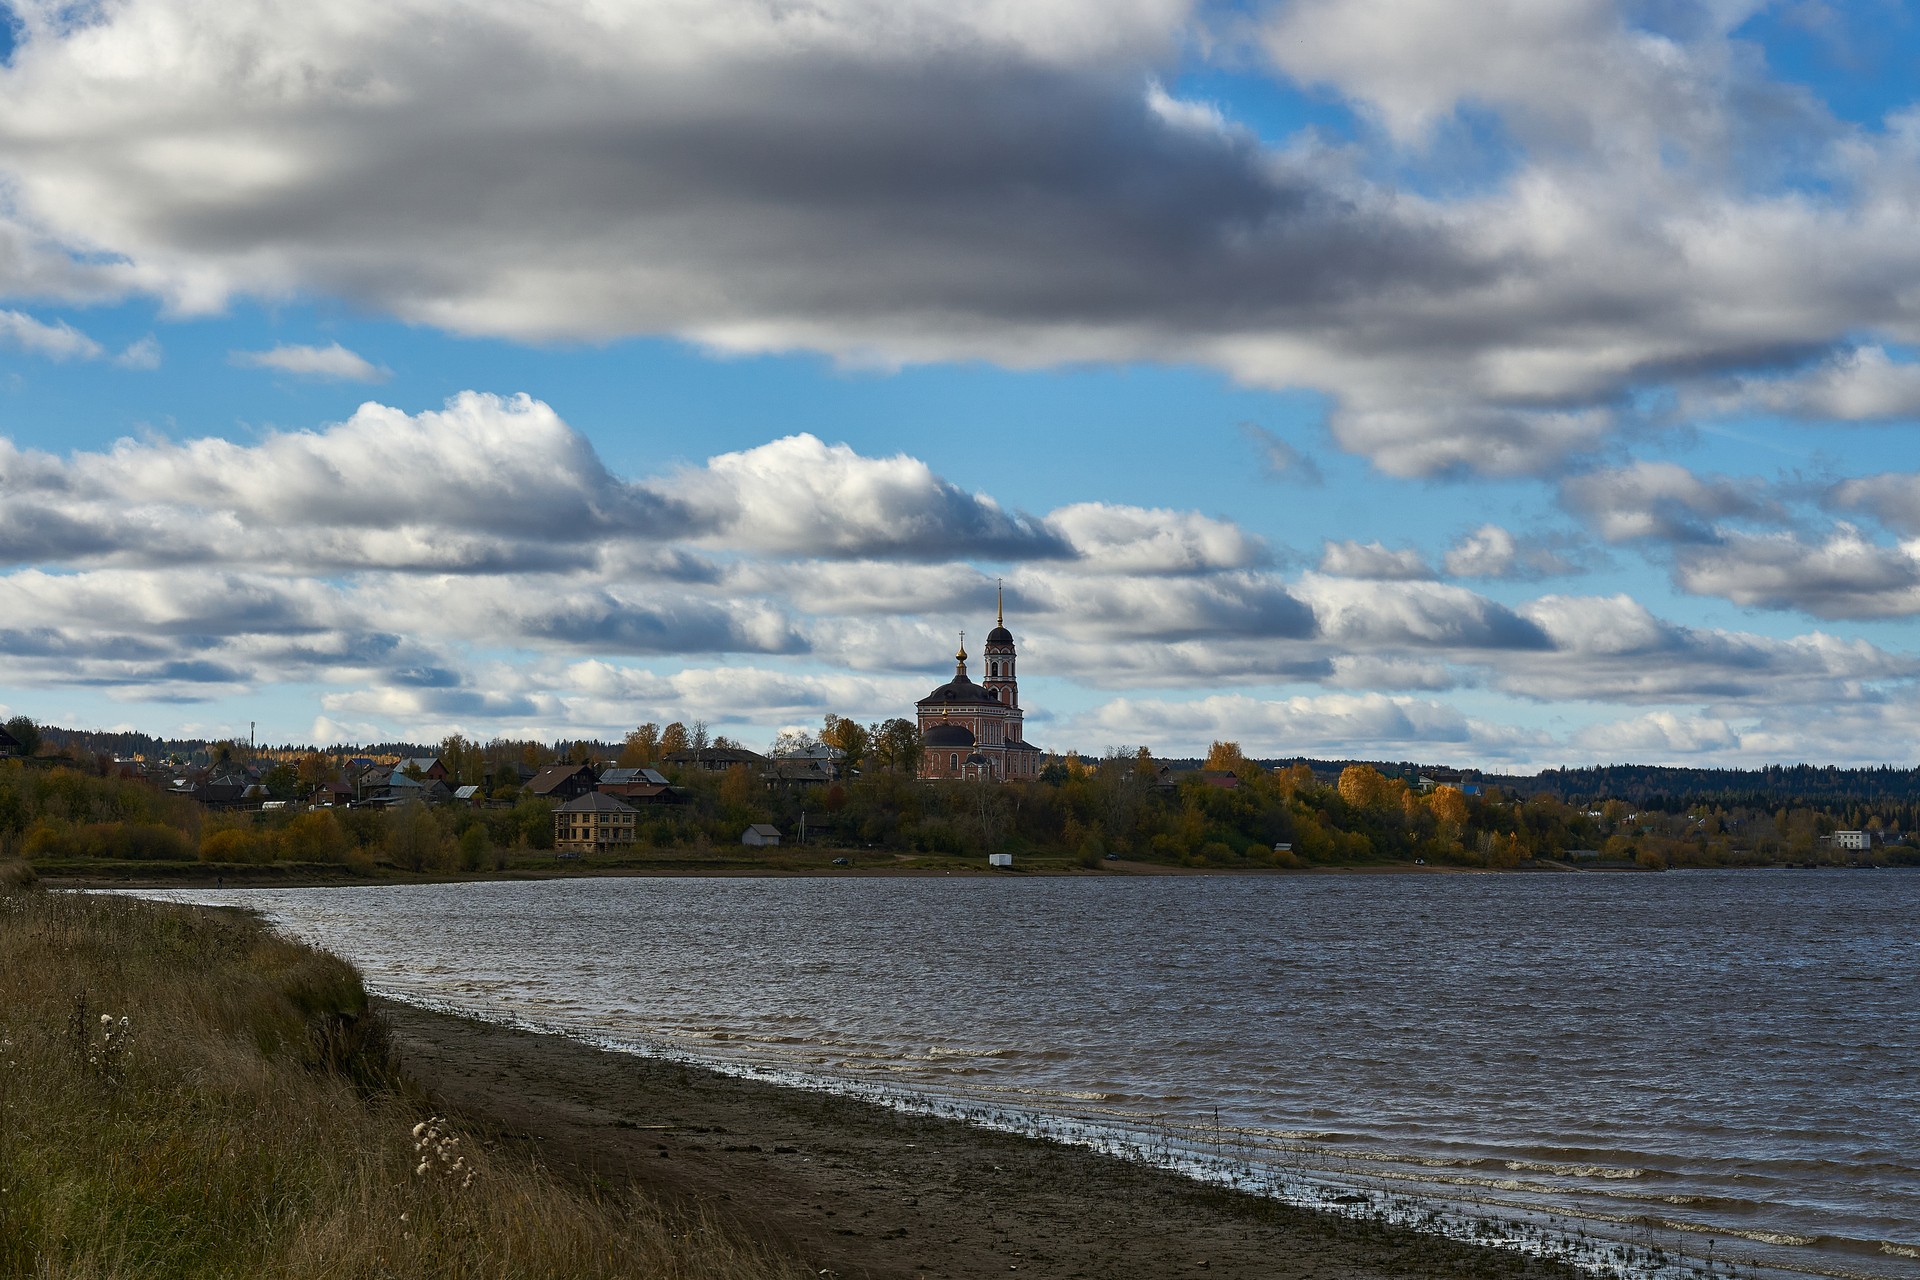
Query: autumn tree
(673, 738)
(1363, 787)
(1224, 757)
(642, 747)
(1449, 808)
(849, 738)
(896, 746)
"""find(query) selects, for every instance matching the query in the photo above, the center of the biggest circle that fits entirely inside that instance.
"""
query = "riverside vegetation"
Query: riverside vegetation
(1235, 813)
(182, 1093)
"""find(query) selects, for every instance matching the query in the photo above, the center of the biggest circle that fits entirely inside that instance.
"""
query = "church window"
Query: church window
(953, 761)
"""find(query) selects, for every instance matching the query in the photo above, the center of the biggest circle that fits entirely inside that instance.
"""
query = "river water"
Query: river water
(1666, 1060)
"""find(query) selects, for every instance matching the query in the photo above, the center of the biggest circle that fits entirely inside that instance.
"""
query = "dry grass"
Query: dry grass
(242, 1121)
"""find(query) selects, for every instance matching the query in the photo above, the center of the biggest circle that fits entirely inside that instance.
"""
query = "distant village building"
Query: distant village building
(1857, 841)
(760, 834)
(639, 786)
(970, 730)
(9, 745)
(594, 823)
(715, 759)
(563, 781)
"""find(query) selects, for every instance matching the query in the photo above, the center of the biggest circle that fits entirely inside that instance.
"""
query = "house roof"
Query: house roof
(425, 763)
(554, 775)
(631, 777)
(595, 802)
(466, 793)
(762, 829)
(7, 741)
(716, 755)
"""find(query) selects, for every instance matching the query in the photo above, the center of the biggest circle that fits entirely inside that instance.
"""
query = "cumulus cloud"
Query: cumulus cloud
(332, 363)
(1662, 501)
(1864, 384)
(1005, 182)
(1122, 539)
(1843, 575)
(1423, 614)
(1494, 552)
(801, 496)
(1351, 559)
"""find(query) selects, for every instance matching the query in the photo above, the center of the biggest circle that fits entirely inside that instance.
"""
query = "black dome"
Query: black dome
(948, 735)
(959, 689)
(999, 635)
(977, 758)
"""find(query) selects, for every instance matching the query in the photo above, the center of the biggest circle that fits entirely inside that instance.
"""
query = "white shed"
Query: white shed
(760, 833)
(999, 859)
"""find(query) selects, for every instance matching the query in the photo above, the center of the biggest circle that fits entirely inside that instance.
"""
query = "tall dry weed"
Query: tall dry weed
(184, 1094)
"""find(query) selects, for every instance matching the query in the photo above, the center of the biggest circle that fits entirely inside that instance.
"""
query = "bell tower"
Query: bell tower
(999, 656)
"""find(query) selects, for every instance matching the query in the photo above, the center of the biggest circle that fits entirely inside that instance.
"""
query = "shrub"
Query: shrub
(143, 840)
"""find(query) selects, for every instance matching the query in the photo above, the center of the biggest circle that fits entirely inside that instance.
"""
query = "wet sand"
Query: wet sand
(861, 1192)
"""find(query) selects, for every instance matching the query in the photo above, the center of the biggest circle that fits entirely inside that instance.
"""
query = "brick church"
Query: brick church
(970, 730)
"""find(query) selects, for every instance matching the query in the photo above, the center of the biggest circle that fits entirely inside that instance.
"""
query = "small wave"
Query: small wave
(1899, 1250)
(1782, 1238)
(1574, 1170)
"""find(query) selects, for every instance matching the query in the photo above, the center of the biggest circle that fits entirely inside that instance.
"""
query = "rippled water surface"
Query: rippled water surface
(1724, 1056)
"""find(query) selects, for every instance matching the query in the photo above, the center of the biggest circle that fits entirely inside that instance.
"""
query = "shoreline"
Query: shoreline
(857, 1189)
(310, 876)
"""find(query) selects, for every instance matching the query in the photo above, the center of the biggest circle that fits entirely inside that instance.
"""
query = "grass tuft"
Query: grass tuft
(182, 1093)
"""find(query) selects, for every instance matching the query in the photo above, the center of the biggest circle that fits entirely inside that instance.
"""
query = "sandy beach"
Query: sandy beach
(865, 1193)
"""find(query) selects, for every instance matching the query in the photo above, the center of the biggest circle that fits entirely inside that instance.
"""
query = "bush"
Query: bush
(143, 840)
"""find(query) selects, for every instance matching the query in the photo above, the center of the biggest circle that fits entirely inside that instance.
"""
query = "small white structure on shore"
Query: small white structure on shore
(999, 859)
(1858, 841)
(761, 834)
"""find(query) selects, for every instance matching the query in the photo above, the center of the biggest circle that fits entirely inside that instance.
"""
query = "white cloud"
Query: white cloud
(332, 363)
(1864, 384)
(1351, 559)
(1123, 539)
(1844, 575)
(56, 341)
(1660, 500)
(801, 496)
(143, 354)
(1353, 612)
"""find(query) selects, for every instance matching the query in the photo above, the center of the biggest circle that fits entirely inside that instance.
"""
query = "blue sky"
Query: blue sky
(1505, 384)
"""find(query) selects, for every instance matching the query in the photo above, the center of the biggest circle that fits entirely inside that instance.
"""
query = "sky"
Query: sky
(1505, 383)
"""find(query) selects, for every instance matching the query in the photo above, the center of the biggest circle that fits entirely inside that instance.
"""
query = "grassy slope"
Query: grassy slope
(242, 1122)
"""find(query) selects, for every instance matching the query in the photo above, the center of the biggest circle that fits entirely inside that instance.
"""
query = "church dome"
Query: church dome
(947, 736)
(959, 690)
(999, 635)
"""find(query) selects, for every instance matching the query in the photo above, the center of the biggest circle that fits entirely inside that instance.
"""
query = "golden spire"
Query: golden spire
(961, 656)
(1000, 602)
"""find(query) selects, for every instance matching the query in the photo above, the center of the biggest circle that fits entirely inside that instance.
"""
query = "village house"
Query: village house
(639, 786)
(563, 782)
(760, 834)
(715, 759)
(594, 823)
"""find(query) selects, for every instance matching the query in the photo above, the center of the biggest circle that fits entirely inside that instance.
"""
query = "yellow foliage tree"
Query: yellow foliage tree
(1363, 787)
(1449, 806)
(1225, 757)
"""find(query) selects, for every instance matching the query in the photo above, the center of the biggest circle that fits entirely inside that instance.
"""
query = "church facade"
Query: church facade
(970, 730)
